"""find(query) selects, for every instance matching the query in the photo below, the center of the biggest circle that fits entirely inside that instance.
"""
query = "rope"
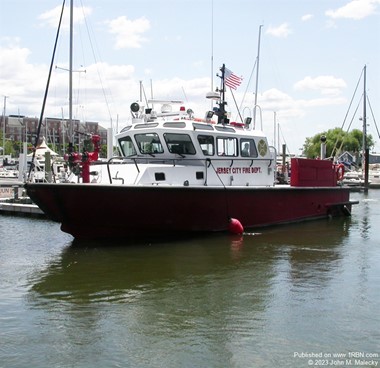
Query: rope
(233, 96)
(46, 93)
(349, 126)
(373, 116)
(348, 110)
(249, 82)
(97, 69)
(225, 192)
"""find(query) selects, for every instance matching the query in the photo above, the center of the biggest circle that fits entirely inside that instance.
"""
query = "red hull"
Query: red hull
(89, 211)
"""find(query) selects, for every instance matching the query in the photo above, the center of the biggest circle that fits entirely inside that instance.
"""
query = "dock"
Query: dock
(14, 202)
(20, 209)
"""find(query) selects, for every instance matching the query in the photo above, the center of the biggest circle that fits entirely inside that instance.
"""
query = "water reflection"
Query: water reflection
(365, 223)
(204, 299)
(123, 274)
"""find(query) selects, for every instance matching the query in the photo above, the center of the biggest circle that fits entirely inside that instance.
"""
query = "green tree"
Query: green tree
(103, 151)
(9, 148)
(337, 141)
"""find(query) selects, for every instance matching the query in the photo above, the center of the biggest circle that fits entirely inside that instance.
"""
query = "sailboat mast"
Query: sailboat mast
(364, 112)
(365, 148)
(212, 48)
(71, 72)
(4, 112)
(257, 76)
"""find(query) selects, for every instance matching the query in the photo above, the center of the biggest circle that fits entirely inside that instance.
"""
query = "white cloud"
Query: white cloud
(21, 81)
(9, 42)
(307, 17)
(355, 9)
(275, 96)
(286, 107)
(13, 58)
(282, 31)
(112, 72)
(320, 102)
(327, 85)
(330, 24)
(51, 17)
(128, 32)
(25, 83)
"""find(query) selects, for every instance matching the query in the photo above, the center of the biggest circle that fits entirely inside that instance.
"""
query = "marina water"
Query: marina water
(289, 296)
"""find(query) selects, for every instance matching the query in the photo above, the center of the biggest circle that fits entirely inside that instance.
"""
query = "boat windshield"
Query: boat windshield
(149, 143)
(179, 143)
(127, 147)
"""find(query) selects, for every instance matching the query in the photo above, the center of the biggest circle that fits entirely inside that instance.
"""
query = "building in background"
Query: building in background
(57, 132)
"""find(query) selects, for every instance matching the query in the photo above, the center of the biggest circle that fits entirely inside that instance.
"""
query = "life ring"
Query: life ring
(340, 172)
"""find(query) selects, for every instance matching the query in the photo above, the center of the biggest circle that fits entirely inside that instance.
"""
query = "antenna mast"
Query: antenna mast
(257, 77)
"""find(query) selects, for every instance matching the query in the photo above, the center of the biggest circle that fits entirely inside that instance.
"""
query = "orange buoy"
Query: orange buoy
(235, 227)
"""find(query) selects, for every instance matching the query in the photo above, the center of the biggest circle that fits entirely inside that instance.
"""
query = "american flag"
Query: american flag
(231, 80)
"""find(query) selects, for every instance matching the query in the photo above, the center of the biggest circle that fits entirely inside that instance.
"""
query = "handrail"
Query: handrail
(174, 161)
(187, 159)
(108, 165)
(207, 161)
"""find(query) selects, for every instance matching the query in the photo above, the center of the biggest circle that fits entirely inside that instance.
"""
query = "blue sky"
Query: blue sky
(312, 55)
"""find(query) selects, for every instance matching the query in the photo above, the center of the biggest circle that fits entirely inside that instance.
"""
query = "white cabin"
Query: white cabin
(179, 150)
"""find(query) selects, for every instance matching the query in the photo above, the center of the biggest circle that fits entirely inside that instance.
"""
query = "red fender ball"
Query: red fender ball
(236, 227)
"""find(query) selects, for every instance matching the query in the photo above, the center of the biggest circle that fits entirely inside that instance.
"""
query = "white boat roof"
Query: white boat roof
(42, 148)
(186, 124)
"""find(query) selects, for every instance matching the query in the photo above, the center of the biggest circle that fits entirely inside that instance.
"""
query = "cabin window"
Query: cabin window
(159, 176)
(199, 175)
(206, 143)
(224, 129)
(248, 148)
(175, 124)
(149, 143)
(227, 146)
(146, 125)
(179, 143)
(126, 146)
(202, 126)
(126, 128)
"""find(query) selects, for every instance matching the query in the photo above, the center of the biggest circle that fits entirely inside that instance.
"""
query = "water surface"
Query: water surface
(259, 300)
